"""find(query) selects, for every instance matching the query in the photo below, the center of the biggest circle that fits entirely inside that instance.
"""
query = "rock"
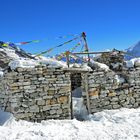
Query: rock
(45, 108)
(24, 105)
(111, 94)
(114, 99)
(137, 63)
(116, 106)
(122, 96)
(52, 112)
(59, 111)
(34, 108)
(94, 94)
(114, 103)
(63, 99)
(107, 107)
(27, 87)
(41, 102)
(26, 83)
(105, 103)
(132, 100)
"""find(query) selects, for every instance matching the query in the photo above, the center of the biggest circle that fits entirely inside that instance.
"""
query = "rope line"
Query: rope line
(49, 50)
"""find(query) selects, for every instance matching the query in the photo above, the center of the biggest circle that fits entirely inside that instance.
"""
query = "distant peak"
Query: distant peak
(134, 51)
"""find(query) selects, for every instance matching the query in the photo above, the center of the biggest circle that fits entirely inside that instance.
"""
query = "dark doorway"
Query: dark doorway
(78, 108)
(76, 82)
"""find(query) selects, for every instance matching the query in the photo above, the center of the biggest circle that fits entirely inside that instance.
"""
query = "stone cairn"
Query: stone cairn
(113, 59)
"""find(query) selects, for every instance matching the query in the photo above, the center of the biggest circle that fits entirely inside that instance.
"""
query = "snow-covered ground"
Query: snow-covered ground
(123, 124)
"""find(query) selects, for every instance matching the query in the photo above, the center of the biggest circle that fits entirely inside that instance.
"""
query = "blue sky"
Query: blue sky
(107, 23)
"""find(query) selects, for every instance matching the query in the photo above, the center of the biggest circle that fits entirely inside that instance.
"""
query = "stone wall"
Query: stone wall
(113, 90)
(44, 92)
(36, 94)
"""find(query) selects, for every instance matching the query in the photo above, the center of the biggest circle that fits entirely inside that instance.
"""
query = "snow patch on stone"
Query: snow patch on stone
(102, 66)
(24, 63)
(133, 62)
(30, 63)
(119, 79)
(10, 52)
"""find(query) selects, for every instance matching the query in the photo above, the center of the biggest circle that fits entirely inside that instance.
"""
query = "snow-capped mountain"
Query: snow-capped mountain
(133, 51)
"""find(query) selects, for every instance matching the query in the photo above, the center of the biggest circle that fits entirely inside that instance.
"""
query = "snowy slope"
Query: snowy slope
(123, 124)
(133, 51)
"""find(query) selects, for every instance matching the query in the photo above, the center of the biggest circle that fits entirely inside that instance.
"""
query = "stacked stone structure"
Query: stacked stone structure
(37, 94)
(114, 59)
(107, 90)
(44, 92)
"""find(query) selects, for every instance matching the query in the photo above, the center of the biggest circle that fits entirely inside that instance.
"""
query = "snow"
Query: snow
(25, 63)
(119, 79)
(51, 61)
(133, 62)
(79, 109)
(18, 61)
(129, 64)
(10, 52)
(101, 66)
(41, 60)
(137, 61)
(30, 63)
(122, 124)
(93, 64)
(83, 66)
(116, 65)
(1, 73)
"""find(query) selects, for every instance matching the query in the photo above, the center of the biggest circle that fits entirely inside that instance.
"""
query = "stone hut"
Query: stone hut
(45, 92)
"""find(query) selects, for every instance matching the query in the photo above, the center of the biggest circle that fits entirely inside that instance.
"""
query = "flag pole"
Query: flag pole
(86, 45)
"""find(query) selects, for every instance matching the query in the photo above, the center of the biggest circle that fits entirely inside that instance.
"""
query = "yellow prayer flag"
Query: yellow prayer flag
(5, 45)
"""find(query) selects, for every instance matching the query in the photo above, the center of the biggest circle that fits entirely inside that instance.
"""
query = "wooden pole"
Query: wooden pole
(68, 58)
(87, 95)
(82, 53)
(86, 46)
(71, 105)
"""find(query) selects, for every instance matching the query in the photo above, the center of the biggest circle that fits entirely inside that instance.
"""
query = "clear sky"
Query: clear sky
(107, 23)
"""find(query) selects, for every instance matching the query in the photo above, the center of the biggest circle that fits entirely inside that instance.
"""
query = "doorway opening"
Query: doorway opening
(78, 108)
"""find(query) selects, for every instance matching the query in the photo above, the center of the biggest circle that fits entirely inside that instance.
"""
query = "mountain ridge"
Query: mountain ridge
(133, 51)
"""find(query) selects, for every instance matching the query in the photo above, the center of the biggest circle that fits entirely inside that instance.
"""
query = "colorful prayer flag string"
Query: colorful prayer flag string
(44, 52)
(59, 57)
(37, 41)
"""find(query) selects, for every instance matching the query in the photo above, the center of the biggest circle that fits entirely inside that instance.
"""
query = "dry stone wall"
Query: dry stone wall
(113, 90)
(37, 94)
(44, 92)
